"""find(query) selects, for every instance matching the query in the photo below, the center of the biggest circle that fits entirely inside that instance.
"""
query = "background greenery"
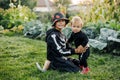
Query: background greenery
(15, 16)
(30, 3)
(18, 56)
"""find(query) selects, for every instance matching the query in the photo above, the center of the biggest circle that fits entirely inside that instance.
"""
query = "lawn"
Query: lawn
(18, 56)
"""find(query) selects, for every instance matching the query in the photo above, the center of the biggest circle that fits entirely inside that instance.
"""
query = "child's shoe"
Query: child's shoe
(85, 70)
(81, 67)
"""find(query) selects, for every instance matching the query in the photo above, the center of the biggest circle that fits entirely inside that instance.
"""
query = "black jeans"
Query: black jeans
(69, 65)
(83, 59)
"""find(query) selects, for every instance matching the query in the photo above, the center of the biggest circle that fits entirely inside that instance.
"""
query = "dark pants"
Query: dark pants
(69, 65)
(83, 59)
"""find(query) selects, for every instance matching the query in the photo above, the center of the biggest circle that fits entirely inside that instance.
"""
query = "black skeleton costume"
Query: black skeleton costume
(57, 49)
(80, 38)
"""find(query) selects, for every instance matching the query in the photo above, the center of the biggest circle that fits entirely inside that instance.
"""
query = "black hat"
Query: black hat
(57, 17)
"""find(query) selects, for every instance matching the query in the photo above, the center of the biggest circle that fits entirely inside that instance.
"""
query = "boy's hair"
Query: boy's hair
(76, 19)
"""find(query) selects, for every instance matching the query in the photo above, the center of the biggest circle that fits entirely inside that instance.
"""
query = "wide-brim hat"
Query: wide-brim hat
(59, 16)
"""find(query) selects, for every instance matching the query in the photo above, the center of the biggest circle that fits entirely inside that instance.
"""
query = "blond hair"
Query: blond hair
(76, 19)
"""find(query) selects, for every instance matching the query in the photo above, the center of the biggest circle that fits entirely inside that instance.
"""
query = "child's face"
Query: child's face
(76, 27)
(60, 24)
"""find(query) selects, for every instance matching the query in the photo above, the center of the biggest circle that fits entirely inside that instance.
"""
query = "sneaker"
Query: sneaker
(85, 70)
(81, 67)
(39, 67)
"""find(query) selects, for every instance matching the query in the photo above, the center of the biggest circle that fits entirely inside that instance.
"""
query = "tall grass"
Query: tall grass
(18, 56)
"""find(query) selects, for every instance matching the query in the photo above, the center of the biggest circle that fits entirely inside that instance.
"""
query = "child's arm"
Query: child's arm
(55, 43)
(85, 39)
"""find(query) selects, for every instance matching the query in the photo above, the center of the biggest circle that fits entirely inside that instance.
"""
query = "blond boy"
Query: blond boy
(80, 39)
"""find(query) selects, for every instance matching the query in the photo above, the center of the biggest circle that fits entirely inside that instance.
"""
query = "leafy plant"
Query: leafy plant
(113, 24)
(15, 16)
(36, 29)
(13, 31)
(102, 10)
(5, 3)
(33, 29)
(44, 17)
(1, 13)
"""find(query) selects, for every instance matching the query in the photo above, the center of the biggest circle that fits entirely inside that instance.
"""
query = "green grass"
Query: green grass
(18, 56)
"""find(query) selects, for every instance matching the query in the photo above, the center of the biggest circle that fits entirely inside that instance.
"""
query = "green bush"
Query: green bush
(36, 29)
(44, 17)
(30, 3)
(1, 13)
(15, 16)
(103, 10)
(113, 25)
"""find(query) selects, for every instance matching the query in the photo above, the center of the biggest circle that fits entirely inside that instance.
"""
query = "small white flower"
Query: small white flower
(12, 5)
(19, 6)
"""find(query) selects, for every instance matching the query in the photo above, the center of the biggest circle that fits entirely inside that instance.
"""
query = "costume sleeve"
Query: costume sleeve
(58, 47)
(85, 40)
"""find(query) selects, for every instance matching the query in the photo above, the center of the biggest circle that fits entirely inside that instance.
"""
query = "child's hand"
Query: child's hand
(76, 51)
(81, 49)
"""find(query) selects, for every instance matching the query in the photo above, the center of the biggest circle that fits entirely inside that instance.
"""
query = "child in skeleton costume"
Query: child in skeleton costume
(57, 48)
(80, 39)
